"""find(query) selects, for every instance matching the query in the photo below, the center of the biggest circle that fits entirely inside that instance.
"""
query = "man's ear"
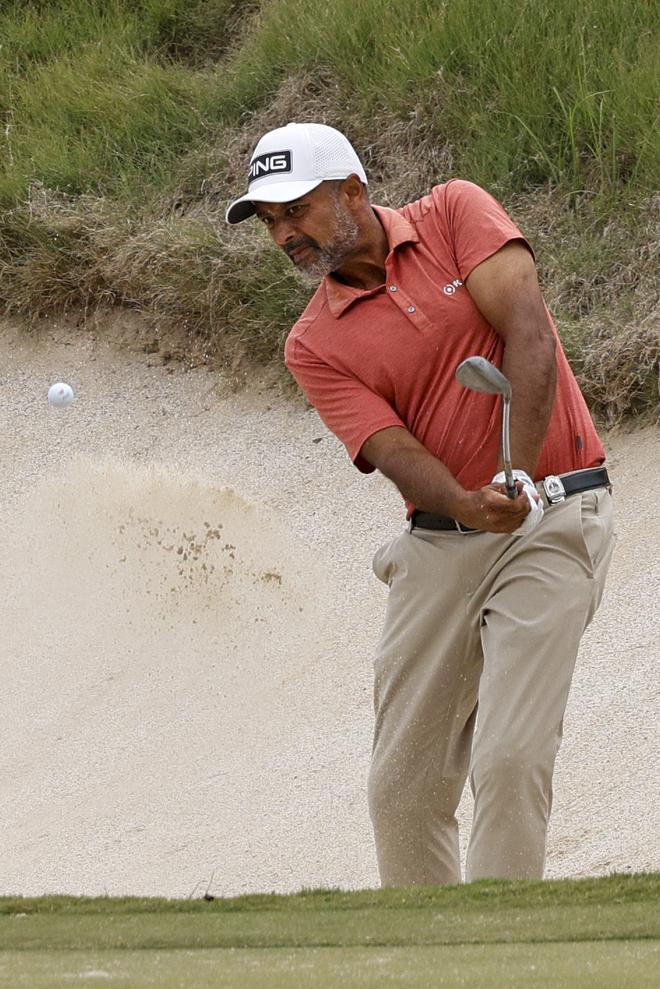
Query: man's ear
(354, 191)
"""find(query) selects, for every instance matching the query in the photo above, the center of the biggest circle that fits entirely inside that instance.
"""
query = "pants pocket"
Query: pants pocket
(383, 564)
(597, 526)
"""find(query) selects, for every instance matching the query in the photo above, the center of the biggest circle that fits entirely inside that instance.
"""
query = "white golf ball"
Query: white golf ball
(60, 394)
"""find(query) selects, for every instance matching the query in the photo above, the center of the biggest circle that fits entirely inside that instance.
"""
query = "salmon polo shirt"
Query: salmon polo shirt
(387, 356)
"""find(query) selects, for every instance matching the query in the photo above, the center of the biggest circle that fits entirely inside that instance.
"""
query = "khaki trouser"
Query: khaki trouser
(472, 673)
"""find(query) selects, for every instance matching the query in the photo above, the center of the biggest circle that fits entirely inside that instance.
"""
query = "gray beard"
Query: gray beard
(332, 255)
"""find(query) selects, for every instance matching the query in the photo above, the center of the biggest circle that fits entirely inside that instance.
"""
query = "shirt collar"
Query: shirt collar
(399, 231)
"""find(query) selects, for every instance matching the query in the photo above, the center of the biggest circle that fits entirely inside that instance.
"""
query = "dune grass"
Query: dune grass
(127, 127)
(104, 96)
(564, 92)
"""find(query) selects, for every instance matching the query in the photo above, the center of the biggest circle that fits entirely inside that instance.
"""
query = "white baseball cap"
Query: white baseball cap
(289, 162)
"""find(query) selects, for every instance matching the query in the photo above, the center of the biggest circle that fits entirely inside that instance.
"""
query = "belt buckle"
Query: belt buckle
(554, 489)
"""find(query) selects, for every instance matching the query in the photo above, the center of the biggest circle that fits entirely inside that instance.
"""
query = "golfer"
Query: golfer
(488, 595)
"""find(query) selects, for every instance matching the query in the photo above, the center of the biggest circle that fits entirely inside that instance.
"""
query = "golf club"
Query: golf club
(480, 375)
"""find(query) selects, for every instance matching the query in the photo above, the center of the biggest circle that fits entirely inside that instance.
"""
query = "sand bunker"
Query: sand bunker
(159, 634)
(188, 625)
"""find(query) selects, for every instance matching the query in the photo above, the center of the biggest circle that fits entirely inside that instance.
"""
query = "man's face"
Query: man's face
(317, 231)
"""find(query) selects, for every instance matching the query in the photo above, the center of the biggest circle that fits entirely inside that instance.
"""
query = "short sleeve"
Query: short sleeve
(351, 410)
(478, 225)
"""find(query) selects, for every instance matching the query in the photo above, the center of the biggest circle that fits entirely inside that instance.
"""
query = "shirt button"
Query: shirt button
(411, 309)
(393, 288)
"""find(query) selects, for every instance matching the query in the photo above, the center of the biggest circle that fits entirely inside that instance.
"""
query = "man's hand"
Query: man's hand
(534, 498)
(491, 510)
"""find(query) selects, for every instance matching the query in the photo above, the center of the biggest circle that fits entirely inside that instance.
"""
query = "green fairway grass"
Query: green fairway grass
(571, 933)
(560, 966)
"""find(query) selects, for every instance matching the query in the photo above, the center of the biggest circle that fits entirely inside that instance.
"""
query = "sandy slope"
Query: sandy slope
(189, 617)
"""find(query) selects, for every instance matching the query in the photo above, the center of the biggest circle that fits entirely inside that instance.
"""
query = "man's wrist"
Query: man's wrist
(461, 504)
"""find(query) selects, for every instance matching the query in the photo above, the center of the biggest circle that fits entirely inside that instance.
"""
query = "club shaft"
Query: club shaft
(506, 450)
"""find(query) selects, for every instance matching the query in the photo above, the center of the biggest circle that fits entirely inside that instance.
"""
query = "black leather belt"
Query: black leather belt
(553, 489)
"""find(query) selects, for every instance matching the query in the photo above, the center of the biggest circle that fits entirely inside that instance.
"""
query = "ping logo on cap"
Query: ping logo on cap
(274, 162)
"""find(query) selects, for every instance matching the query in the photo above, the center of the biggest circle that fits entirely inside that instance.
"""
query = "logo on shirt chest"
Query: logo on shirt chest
(451, 287)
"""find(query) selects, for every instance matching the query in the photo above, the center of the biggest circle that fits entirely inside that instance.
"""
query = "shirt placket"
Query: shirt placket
(407, 306)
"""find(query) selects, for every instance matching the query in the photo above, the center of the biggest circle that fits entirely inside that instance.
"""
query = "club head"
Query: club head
(480, 375)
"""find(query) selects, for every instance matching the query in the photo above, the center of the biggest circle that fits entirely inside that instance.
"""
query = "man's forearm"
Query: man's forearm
(506, 292)
(532, 373)
(425, 481)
